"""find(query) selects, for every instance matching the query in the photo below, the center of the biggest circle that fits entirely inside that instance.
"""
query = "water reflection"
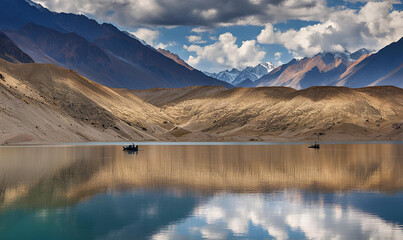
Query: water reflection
(286, 191)
(282, 216)
(113, 215)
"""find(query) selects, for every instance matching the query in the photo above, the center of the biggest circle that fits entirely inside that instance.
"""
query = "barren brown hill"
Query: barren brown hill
(45, 103)
(280, 113)
(42, 103)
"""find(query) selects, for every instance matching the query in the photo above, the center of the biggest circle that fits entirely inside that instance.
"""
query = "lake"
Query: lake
(342, 191)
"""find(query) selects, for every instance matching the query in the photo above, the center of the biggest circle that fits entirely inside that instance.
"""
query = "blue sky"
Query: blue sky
(213, 35)
(242, 33)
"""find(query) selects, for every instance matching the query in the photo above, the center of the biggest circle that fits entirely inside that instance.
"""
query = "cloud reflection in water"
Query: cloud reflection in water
(281, 215)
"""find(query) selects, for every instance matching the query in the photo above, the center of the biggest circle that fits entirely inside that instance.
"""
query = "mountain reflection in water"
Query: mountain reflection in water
(214, 192)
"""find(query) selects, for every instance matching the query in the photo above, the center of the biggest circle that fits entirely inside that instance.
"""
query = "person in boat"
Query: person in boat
(131, 147)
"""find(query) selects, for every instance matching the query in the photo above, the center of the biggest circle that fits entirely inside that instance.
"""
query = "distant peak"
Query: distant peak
(363, 50)
(34, 4)
(333, 54)
(346, 55)
(233, 70)
(357, 54)
(294, 60)
(268, 65)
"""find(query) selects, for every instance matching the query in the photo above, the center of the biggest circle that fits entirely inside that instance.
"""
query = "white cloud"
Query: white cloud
(373, 26)
(150, 37)
(161, 45)
(267, 35)
(226, 53)
(255, 1)
(277, 55)
(193, 61)
(134, 13)
(210, 13)
(200, 30)
(195, 39)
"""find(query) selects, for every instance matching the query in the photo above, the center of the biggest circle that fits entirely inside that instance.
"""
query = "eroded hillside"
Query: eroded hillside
(42, 103)
(282, 113)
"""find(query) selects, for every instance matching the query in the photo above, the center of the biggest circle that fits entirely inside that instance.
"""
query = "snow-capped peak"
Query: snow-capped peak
(254, 73)
(226, 76)
(346, 55)
(234, 76)
(357, 54)
(268, 65)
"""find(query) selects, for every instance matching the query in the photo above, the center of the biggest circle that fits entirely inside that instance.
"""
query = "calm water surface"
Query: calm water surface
(342, 191)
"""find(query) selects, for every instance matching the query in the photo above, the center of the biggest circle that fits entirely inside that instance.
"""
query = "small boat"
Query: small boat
(131, 147)
(315, 146)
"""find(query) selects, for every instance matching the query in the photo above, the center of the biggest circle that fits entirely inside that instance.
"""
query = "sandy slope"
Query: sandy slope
(42, 103)
(279, 113)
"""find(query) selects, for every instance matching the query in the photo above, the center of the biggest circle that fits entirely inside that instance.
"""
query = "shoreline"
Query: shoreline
(151, 143)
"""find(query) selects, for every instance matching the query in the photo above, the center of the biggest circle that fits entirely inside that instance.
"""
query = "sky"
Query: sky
(214, 35)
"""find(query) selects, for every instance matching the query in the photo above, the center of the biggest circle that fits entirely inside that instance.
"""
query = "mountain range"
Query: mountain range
(11, 52)
(250, 74)
(100, 52)
(114, 58)
(62, 105)
(65, 77)
(359, 69)
(321, 70)
(226, 76)
(43, 103)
